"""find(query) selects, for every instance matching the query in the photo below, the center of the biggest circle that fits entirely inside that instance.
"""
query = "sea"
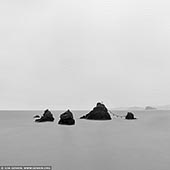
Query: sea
(117, 144)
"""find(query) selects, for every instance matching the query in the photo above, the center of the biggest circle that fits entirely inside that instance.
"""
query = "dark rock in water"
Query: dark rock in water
(130, 116)
(66, 118)
(36, 116)
(47, 116)
(99, 112)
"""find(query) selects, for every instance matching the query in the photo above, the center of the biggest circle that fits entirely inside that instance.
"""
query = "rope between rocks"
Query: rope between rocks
(115, 114)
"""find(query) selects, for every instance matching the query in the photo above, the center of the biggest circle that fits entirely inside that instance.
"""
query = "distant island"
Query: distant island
(159, 107)
(129, 108)
(150, 108)
(163, 107)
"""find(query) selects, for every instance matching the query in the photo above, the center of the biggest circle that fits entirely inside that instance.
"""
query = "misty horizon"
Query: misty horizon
(72, 54)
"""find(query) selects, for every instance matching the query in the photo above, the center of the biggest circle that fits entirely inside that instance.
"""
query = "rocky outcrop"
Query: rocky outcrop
(47, 116)
(99, 112)
(66, 118)
(130, 116)
(36, 116)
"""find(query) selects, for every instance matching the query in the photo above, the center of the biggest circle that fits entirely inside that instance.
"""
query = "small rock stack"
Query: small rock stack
(130, 116)
(47, 116)
(66, 118)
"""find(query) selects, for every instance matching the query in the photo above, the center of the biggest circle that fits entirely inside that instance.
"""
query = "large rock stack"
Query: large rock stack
(99, 112)
(47, 116)
(66, 118)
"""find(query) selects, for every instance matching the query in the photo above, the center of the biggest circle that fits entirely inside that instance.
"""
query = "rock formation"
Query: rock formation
(99, 112)
(66, 118)
(130, 116)
(47, 116)
(36, 116)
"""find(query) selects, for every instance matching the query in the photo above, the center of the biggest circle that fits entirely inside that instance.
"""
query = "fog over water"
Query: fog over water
(71, 54)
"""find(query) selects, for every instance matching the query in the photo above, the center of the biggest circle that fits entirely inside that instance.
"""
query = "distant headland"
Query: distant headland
(159, 107)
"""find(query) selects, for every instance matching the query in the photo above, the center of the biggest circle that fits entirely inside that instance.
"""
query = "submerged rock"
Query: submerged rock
(99, 112)
(66, 118)
(130, 116)
(47, 116)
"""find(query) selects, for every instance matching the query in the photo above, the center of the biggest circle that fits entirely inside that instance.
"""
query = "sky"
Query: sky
(61, 54)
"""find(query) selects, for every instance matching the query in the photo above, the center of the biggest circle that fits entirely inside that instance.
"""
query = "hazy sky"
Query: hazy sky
(61, 54)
